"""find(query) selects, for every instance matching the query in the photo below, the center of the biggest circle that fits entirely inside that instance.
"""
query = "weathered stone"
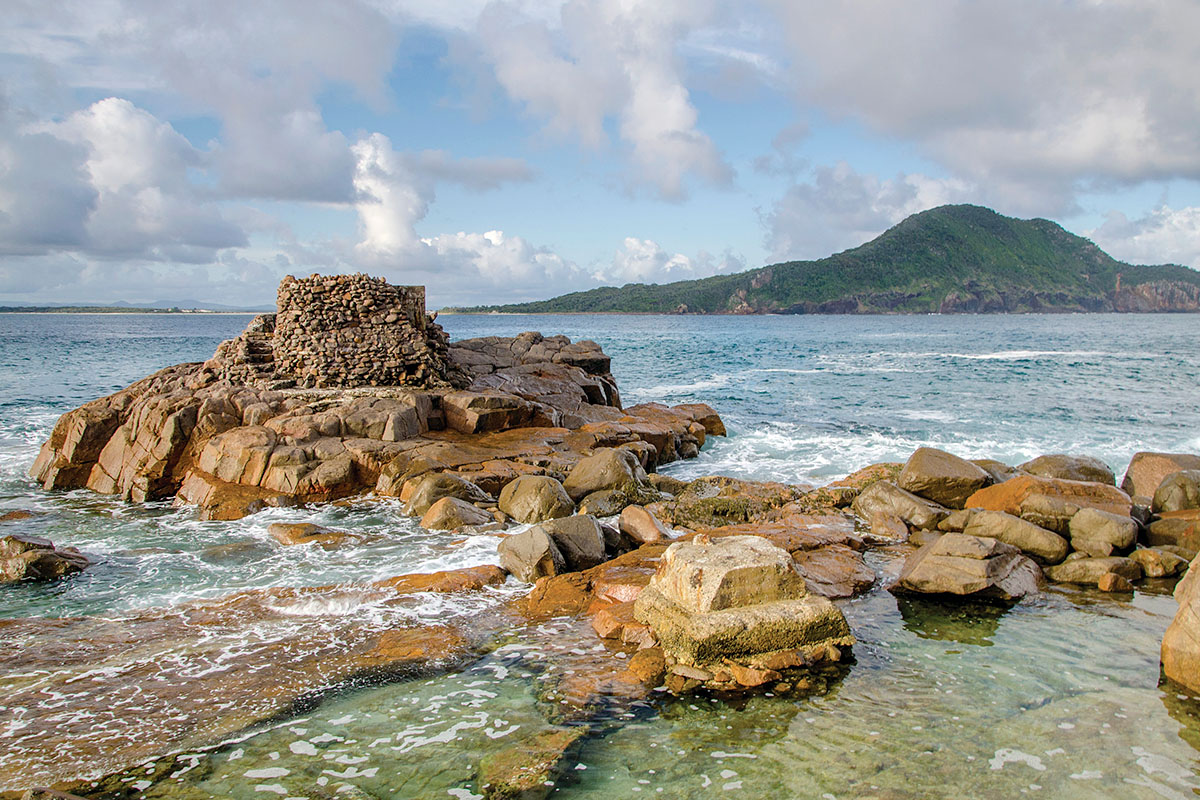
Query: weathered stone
(34, 558)
(1089, 570)
(1158, 563)
(454, 580)
(450, 513)
(1045, 547)
(941, 477)
(1181, 643)
(479, 412)
(888, 498)
(887, 527)
(606, 468)
(1147, 470)
(1049, 502)
(729, 572)
(535, 498)
(579, 539)
(997, 470)
(957, 521)
(218, 500)
(530, 555)
(604, 503)
(429, 488)
(1070, 468)
(834, 571)
(715, 501)
(526, 769)
(1112, 582)
(1177, 529)
(734, 597)
(611, 621)
(301, 533)
(649, 666)
(1099, 533)
(1179, 491)
(969, 566)
(641, 526)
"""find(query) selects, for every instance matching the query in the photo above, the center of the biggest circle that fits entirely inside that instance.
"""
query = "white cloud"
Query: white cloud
(610, 60)
(1164, 235)
(1035, 99)
(842, 208)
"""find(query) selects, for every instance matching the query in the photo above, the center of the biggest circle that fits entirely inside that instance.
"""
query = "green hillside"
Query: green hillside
(952, 259)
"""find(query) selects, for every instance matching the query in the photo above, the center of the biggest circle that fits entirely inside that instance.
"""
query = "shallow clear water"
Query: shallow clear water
(1058, 697)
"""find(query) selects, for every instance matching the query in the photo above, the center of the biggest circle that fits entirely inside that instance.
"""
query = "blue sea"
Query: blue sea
(1058, 697)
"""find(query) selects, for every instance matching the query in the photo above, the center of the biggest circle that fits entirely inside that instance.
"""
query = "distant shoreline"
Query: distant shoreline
(118, 311)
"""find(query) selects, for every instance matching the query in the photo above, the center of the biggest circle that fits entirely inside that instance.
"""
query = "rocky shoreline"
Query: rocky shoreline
(713, 585)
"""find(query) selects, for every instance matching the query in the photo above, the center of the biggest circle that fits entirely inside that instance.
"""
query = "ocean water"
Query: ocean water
(1059, 697)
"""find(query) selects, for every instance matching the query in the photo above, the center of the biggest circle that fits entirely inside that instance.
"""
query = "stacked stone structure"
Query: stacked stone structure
(355, 330)
(341, 331)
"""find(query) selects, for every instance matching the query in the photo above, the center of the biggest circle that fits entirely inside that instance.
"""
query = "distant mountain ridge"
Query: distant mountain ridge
(950, 259)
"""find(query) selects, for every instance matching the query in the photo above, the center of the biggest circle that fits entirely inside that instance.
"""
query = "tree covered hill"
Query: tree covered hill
(959, 258)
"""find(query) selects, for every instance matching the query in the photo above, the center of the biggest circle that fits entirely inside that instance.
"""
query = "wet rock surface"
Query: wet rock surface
(969, 566)
(34, 558)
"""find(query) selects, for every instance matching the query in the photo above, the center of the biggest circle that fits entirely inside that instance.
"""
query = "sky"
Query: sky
(196, 151)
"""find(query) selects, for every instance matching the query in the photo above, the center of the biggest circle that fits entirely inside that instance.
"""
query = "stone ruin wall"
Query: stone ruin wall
(355, 330)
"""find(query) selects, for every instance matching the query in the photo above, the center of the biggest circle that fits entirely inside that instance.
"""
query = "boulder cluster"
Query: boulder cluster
(1063, 513)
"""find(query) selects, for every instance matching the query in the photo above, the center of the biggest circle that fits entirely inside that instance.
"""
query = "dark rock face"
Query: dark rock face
(34, 558)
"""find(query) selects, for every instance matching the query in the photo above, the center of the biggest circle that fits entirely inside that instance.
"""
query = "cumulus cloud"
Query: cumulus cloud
(108, 181)
(610, 60)
(840, 208)
(1039, 98)
(1164, 235)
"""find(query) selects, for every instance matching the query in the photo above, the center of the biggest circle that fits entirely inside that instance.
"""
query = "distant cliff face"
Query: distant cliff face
(1158, 296)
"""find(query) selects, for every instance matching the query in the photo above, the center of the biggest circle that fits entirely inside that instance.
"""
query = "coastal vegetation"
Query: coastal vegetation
(956, 258)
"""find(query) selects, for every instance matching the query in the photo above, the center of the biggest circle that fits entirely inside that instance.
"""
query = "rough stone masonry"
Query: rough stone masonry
(341, 331)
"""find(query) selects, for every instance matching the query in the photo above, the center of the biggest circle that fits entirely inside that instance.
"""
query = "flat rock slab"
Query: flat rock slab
(92, 696)
(704, 574)
(811, 622)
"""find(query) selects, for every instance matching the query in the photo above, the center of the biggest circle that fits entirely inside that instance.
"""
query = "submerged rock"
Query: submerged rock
(1181, 643)
(301, 533)
(736, 599)
(526, 769)
(969, 566)
(34, 558)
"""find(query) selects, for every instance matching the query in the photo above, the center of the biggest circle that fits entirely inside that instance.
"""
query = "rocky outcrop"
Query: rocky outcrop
(885, 497)
(314, 422)
(34, 558)
(736, 604)
(1156, 297)
(1181, 643)
(962, 565)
